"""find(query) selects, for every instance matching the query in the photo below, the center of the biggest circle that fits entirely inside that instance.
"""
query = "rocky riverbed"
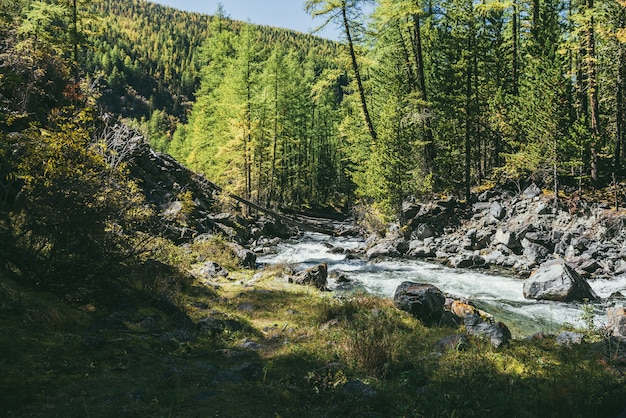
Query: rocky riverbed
(515, 231)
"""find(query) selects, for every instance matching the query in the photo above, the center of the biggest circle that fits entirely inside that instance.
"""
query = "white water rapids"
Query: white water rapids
(498, 295)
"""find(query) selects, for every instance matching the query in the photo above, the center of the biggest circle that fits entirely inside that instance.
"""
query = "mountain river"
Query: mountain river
(498, 295)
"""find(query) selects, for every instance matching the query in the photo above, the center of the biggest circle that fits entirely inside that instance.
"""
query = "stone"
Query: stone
(276, 228)
(539, 237)
(496, 332)
(149, 323)
(454, 342)
(358, 389)
(506, 238)
(466, 261)
(423, 231)
(251, 345)
(462, 309)
(531, 191)
(315, 276)
(536, 253)
(481, 206)
(212, 326)
(387, 248)
(247, 258)
(417, 248)
(245, 307)
(171, 210)
(616, 323)
(482, 239)
(569, 338)
(497, 210)
(543, 208)
(557, 281)
(410, 210)
(424, 301)
(590, 266)
(210, 269)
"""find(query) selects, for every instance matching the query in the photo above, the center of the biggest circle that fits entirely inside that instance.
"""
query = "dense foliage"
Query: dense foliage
(418, 98)
(265, 123)
(465, 91)
(70, 217)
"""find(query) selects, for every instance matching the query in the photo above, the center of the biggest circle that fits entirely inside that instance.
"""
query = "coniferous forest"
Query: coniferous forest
(148, 155)
(417, 98)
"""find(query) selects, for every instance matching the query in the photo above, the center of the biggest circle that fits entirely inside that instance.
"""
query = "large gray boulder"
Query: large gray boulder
(557, 281)
(418, 249)
(569, 338)
(531, 191)
(424, 301)
(391, 248)
(466, 261)
(410, 210)
(210, 270)
(496, 332)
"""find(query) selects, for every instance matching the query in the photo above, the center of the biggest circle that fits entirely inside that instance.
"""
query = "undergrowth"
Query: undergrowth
(283, 350)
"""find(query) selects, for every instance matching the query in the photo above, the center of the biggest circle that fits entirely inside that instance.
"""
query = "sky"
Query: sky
(288, 14)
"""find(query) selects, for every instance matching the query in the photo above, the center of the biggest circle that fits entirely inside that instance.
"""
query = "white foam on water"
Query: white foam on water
(499, 295)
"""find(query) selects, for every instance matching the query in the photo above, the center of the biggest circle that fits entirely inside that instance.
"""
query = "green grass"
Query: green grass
(59, 359)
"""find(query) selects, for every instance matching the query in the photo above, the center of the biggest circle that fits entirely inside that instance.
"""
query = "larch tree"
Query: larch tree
(342, 13)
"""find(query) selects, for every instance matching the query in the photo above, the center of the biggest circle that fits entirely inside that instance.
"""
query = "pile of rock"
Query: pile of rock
(517, 231)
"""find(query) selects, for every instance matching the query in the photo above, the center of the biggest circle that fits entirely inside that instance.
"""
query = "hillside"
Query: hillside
(151, 55)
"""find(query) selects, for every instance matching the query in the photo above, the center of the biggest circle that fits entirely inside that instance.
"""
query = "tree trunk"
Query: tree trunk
(75, 30)
(514, 63)
(592, 92)
(247, 139)
(468, 123)
(620, 137)
(407, 59)
(357, 73)
(275, 139)
(535, 23)
(429, 148)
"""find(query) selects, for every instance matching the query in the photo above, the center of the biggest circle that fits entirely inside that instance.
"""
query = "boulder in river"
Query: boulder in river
(424, 301)
(557, 281)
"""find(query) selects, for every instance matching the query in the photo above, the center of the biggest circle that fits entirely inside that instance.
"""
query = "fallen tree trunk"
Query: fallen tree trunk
(284, 218)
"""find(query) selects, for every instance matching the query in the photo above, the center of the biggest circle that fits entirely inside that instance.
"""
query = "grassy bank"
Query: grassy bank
(258, 346)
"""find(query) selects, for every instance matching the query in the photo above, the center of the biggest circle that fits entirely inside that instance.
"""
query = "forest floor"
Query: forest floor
(254, 345)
